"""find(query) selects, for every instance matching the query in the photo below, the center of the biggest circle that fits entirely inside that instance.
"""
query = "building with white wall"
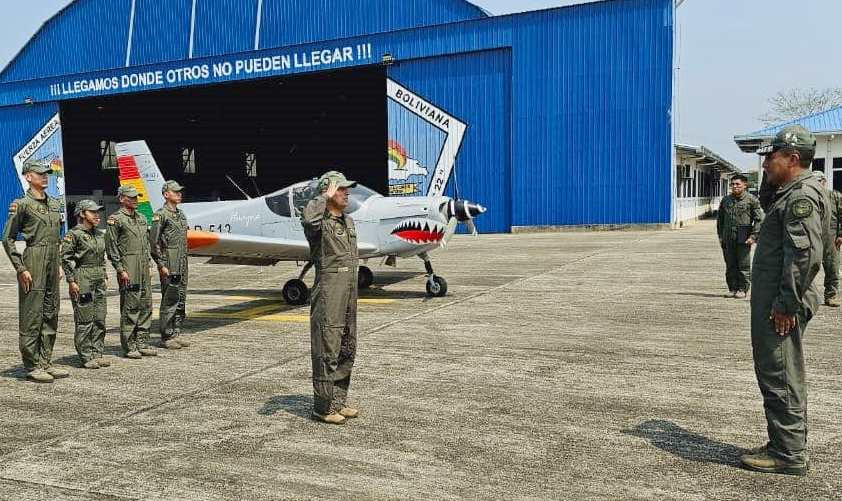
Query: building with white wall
(827, 127)
(701, 181)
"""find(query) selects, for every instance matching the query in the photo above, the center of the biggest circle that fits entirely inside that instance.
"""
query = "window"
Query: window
(837, 174)
(251, 165)
(107, 155)
(818, 164)
(684, 181)
(188, 160)
(279, 203)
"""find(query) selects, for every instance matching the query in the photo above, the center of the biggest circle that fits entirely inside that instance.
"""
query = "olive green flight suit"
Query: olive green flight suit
(830, 262)
(786, 261)
(733, 213)
(127, 246)
(83, 259)
(333, 308)
(39, 222)
(168, 244)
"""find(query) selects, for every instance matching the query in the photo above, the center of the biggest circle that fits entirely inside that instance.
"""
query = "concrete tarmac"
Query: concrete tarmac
(560, 366)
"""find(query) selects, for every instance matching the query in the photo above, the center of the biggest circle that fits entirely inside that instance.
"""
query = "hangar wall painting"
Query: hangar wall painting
(423, 143)
(45, 147)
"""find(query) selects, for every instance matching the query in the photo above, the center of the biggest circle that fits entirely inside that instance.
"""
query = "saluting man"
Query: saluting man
(333, 311)
(786, 261)
(83, 259)
(127, 246)
(168, 241)
(38, 218)
(737, 223)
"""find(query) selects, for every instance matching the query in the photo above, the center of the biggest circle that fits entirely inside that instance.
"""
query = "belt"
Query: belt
(43, 244)
(340, 269)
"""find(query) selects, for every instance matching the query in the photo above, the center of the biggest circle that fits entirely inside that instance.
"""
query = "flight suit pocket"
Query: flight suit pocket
(131, 300)
(798, 235)
(85, 311)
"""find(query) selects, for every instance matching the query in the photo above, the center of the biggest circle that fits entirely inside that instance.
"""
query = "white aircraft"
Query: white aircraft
(266, 230)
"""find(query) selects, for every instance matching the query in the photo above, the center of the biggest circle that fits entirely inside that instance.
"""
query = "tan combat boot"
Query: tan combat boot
(148, 352)
(833, 302)
(58, 373)
(171, 344)
(349, 412)
(134, 354)
(765, 462)
(332, 418)
(91, 364)
(184, 344)
(40, 376)
(103, 362)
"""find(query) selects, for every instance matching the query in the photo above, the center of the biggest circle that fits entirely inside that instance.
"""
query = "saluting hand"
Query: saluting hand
(783, 323)
(331, 189)
(25, 280)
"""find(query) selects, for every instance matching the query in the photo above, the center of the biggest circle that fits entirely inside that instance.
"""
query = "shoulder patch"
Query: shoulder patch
(68, 237)
(111, 220)
(801, 208)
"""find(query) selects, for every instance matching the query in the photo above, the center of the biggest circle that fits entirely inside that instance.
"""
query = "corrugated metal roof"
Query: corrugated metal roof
(707, 155)
(93, 35)
(829, 121)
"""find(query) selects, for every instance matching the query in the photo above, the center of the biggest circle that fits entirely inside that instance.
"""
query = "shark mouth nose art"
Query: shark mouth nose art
(419, 231)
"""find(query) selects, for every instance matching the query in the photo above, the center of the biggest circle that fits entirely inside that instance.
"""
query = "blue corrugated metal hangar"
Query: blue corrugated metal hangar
(558, 117)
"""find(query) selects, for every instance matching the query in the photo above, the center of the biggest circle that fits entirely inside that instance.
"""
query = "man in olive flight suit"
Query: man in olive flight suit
(83, 259)
(737, 223)
(333, 311)
(786, 261)
(168, 242)
(830, 262)
(127, 246)
(38, 218)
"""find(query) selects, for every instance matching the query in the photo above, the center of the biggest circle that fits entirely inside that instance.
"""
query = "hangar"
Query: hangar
(559, 117)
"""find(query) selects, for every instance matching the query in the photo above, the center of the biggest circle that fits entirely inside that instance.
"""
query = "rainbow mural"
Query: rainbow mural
(397, 153)
(129, 176)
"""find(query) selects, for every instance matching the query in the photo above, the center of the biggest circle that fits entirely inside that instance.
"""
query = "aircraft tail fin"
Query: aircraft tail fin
(138, 169)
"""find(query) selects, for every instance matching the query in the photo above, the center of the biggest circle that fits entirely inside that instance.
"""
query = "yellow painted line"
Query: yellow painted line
(260, 318)
(375, 301)
(255, 298)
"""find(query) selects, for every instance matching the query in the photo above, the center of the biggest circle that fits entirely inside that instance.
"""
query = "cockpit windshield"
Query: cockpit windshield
(304, 192)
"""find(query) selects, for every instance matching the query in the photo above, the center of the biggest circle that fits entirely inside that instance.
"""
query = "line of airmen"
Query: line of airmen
(129, 244)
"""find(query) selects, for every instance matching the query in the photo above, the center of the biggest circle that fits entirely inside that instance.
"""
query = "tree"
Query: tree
(796, 103)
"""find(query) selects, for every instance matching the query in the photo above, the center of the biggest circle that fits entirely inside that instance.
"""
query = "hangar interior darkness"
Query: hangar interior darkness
(296, 128)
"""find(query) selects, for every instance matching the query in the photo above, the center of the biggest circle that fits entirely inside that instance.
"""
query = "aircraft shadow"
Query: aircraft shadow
(672, 438)
(297, 405)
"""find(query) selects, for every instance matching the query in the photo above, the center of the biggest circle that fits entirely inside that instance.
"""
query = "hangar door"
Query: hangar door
(453, 111)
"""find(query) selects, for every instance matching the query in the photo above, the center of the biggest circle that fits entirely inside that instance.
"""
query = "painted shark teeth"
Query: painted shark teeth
(419, 231)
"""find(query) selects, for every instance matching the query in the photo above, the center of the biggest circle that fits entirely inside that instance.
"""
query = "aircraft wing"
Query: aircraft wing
(250, 247)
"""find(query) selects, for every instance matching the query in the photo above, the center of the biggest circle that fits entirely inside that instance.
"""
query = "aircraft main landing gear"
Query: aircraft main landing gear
(436, 285)
(296, 292)
(365, 277)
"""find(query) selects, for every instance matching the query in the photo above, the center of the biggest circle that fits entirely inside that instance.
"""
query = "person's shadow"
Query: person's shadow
(685, 444)
(297, 405)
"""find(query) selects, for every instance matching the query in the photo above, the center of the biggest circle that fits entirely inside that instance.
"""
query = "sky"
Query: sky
(733, 56)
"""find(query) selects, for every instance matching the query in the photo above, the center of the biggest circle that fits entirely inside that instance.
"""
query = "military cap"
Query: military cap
(127, 190)
(819, 175)
(37, 167)
(793, 137)
(171, 186)
(87, 205)
(340, 179)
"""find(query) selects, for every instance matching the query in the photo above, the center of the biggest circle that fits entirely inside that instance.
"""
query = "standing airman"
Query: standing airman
(168, 241)
(127, 246)
(737, 223)
(38, 218)
(333, 311)
(83, 259)
(832, 244)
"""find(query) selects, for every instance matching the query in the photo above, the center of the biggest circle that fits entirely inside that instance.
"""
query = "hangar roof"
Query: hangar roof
(822, 123)
(93, 35)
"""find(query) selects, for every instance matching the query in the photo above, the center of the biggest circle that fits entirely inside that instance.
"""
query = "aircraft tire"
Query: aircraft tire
(365, 277)
(438, 288)
(296, 292)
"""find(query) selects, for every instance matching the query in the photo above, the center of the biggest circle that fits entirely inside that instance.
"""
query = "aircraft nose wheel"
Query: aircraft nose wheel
(436, 286)
(296, 292)
(365, 278)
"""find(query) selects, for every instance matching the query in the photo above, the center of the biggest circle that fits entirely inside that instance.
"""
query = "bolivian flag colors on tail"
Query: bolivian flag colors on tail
(130, 176)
